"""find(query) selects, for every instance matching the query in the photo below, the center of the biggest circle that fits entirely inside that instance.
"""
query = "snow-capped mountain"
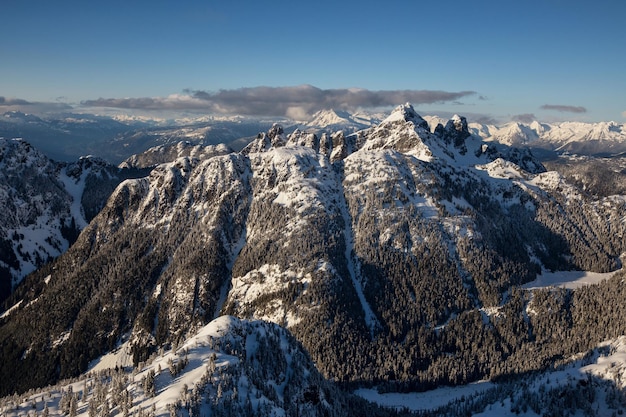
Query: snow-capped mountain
(66, 137)
(45, 204)
(335, 120)
(603, 138)
(36, 209)
(232, 132)
(512, 134)
(392, 254)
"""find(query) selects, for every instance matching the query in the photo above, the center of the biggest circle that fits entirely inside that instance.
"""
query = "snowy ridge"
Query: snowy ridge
(243, 366)
(255, 367)
(34, 208)
(167, 153)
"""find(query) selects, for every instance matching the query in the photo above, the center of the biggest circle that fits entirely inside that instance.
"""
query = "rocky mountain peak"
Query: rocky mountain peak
(455, 132)
(17, 154)
(264, 141)
(76, 169)
(329, 117)
(301, 138)
(275, 130)
(406, 112)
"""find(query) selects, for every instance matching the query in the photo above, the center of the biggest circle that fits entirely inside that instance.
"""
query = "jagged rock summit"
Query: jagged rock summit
(455, 132)
(404, 130)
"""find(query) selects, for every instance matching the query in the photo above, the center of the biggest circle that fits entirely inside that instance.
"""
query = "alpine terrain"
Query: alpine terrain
(394, 257)
(45, 204)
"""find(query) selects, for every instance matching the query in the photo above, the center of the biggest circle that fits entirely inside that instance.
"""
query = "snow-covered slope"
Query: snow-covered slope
(44, 205)
(36, 211)
(242, 368)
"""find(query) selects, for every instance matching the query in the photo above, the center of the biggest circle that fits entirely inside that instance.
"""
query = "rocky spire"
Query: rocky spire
(455, 132)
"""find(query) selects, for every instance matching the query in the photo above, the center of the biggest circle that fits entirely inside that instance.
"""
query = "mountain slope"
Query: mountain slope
(37, 221)
(229, 366)
(380, 251)
(45, 204)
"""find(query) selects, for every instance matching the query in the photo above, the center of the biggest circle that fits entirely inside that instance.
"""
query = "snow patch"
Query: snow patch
(264, 281)
(500, 168)
(10, 310)
(120, 357)
(567, 279)
(423, 401)
(76, 189)
(354, 270)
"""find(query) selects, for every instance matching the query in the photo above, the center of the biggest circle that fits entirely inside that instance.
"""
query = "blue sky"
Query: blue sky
(498, 60)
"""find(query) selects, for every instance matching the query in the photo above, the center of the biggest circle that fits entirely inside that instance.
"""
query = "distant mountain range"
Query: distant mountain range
(592, 139)
(66, 137)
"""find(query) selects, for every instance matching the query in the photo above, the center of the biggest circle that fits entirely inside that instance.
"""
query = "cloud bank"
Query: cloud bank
(25, 106)
(297, 102)
(562, 108)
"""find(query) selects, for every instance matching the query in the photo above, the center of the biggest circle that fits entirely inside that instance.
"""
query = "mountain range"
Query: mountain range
(68, 136)
(394, 255)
